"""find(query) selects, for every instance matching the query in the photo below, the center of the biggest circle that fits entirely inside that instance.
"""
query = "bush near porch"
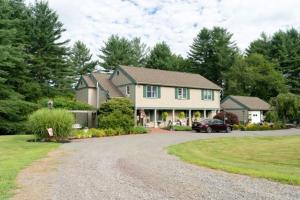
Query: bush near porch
(179, 128)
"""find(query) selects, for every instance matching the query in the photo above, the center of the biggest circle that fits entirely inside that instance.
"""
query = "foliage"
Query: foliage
(97, 132)
(197, 115)
(182, 128)
(231, 118)
(80, 134)
(138, 130)
(65, 103)
(47, 62)
(261, 127)
(287, 106)
(81, 59)
(59, 120)
(164, 116)
(181, 115)
(272, 116)
(115, 120)
(117, 104)
(284, 48)
(275, 158)
(255, 76)
(16, 153)
(121, 51)
(212, 53)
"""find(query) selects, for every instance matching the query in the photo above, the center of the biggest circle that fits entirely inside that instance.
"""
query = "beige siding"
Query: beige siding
(168, 100)
(82, 95)
(102, 97)
(92, 96)
(230, 104)
(132, 90)
(120, 79)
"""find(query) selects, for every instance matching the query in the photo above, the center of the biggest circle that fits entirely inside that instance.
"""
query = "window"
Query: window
(152, 91)
(127, 90)
(207, 95)
(182, 93)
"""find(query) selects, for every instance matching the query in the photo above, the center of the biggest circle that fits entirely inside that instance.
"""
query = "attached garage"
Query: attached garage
(248, 109)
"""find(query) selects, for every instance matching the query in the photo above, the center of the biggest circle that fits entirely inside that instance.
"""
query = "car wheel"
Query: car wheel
(197, 130)
(228, 130)
(208, 130)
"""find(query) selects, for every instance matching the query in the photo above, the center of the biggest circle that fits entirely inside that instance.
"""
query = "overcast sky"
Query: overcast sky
(175, 21)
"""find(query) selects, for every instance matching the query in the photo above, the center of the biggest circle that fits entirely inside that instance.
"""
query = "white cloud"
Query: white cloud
(175, 21)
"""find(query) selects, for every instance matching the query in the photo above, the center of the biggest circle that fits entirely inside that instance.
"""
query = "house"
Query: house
(248, 109)
(152, 92)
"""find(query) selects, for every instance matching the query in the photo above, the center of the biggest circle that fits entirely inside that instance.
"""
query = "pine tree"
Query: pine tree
(212, 53)
(81, 59)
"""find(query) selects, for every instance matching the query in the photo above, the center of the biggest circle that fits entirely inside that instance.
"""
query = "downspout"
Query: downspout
(97, 102)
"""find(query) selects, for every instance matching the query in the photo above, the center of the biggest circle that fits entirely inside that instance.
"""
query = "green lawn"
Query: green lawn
(274, 158)
(15, 154)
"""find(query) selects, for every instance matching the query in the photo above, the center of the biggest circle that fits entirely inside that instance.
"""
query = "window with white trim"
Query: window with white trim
(151, 91)
(207, 95)
(182, 93)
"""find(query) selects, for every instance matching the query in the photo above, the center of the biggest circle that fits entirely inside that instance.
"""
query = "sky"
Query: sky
(176, 22)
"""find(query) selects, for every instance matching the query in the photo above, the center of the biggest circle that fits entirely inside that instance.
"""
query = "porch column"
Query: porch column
(204, 114)
(190, 117)
(173, 117)
(135, 115)
(155, 118)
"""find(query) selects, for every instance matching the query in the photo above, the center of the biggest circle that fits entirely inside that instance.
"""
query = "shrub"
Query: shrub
(97, 132)
(197, 115)
(236, 127)
(116, 113)
(231, 118)
(120, 131)
(79, 134)
(138, 130)
(110, 132)
(164, 116)
(182, 128)
(59, 120)
(65, 103)
(116, 120)
(181, 115)
(272, 116)
(263, 127)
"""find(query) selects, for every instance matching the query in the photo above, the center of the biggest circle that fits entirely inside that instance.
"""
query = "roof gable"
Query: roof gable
(251, 103)
(141, 75)
(106, 84)
(85, 81)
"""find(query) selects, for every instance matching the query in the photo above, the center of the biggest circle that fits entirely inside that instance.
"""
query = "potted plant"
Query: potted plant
(197, 115)
(164, 116)
(181, 116)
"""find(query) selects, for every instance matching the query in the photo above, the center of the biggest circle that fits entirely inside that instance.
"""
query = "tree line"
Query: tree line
(35, 61)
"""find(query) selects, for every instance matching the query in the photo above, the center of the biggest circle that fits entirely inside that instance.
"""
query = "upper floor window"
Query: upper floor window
(151, 91)
(127, 90)
(182, 93)
(207, 95)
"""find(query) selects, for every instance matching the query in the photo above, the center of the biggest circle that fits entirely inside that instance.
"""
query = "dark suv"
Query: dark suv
(211, 125)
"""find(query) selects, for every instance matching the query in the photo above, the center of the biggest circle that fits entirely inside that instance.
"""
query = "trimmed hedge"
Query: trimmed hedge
(258, 127)
(179, 128)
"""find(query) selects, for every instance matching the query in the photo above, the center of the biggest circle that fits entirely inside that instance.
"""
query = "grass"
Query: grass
(273, 158)
(15, 154)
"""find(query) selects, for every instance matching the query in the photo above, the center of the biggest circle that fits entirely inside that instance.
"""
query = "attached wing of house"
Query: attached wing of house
(248, 109)
(153, 92)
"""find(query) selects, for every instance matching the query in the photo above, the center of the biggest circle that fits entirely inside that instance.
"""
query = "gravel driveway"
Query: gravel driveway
(138, 167)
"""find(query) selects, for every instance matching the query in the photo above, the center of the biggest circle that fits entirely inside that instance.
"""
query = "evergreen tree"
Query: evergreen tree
(81, 59)
(282, 47)
(48, 59)
(254, 75)
(121, 51)
(212, 53)
(160, 57)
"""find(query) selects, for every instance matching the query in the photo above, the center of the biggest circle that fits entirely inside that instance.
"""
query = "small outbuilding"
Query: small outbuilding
(248, 109)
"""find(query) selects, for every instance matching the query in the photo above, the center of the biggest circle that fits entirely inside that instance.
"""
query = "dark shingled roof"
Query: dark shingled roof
(252, 103)
(143, 75)
(106, 84)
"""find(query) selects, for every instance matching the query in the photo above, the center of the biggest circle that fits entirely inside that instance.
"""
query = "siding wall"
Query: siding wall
(167, 100)
(239, 113)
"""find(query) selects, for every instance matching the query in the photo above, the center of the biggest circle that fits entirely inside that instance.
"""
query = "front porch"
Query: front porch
(153, 117)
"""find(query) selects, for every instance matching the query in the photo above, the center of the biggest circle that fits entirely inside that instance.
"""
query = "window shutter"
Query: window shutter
(144, 90)
(158, 91)
(188, 93)
(202, 94)
(213, 95)
(176, 93)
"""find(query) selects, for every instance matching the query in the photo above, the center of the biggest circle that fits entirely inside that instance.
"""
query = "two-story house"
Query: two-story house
(152, 92)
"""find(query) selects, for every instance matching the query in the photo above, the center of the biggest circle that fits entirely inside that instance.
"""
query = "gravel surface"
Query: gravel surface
(138, 167)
